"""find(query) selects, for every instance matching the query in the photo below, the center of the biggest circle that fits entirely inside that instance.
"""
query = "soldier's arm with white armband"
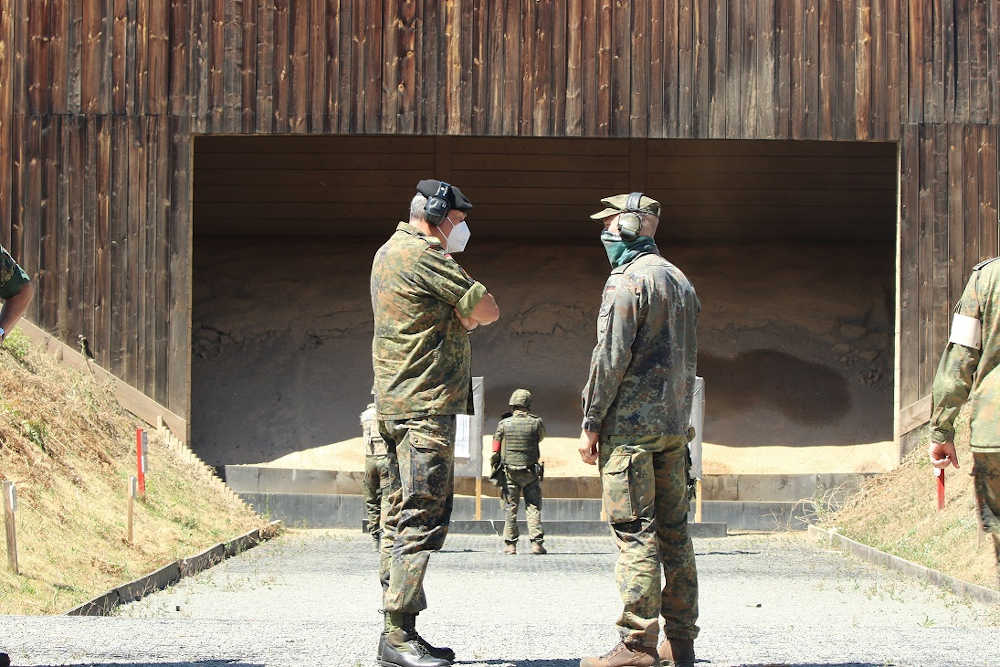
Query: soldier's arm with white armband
(955, 373)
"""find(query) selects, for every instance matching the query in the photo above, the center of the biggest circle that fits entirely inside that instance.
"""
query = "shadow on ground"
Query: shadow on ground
(198, 663)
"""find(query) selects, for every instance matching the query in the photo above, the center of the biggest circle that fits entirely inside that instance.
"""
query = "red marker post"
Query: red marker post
(939, 473)
(140, 459)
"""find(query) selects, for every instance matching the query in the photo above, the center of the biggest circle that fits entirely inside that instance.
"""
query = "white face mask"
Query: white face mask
(458, 237)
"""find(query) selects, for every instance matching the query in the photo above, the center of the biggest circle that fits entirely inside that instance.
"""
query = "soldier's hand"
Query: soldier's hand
(588, 447)
(943, 453)
(467, 322)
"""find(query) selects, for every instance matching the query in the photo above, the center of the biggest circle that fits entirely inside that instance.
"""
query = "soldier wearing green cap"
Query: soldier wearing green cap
(636, 411)
(516, 442)
(425, 305)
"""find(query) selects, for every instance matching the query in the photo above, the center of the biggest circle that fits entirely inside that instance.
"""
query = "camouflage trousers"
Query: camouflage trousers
(421, 467)
(644, 483)
(523, 481)
(986, 473)
(376, 487)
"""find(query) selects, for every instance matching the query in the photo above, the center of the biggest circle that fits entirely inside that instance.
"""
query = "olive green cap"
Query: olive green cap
(520, 398)
(617, 203)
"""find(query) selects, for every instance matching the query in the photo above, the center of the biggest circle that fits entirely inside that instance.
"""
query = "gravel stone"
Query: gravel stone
(311, 598)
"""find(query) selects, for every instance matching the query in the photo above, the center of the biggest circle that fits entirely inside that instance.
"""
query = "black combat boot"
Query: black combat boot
(676, 652)
(399, 648)
(4, 660)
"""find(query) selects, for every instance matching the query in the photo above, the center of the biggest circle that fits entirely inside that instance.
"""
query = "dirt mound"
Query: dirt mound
(897, 512)
(69, 447)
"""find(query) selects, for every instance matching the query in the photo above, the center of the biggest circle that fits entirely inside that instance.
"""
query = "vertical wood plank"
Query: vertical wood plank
(734, 69)
(847, 54)
(602, 111)
(685, 70)
(265, 67)
(333, 65)
(639, 74)
(180, 35)
(120, 85)
(301, 100)
(783, 69)
(248, 66)
(497, 66)
(979, 85)
(574, 68)
(657, 77)
(541, 112)
(101, 342)
(88, 246)
(118, 326)
(988, 191)
(430, 76)
(162, 162)
(525, 115)
(915, 61)
(6, 117)
(828, 75)
(909, 223)
(863, 70)
(621, 50)
(751, 89)
(135, 274)
(317, 67)
(480, 67)
(373, 69)
(216, 65)
(511, 91)
(970, 196)
(178, 214)
(959, 39)
(159, 56)
(93, 56)
(282, 66)
(454, 102)
(49, 225)
(700, 91)
(75, 40)
(74, 275)
(64, 273)
(766, 65)
(993, 59)
(934, 68)
(232, 66)
(58, 35)
(940, 305)
(895, 91)
(558, 59)
(392, 62)
(957, 159)
(719, 58)
(879, 92)
(38, 70)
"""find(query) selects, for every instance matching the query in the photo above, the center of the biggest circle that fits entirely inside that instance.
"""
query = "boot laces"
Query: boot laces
(618, 648)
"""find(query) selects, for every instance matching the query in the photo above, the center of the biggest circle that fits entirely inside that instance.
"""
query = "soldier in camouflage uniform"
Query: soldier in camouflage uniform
(969, 372)
(425, 305)
(516, 440)
(377, 479)
(637, 406)
(16, 291)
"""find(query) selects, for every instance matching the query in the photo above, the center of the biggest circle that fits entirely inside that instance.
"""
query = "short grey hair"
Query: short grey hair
(418, 207)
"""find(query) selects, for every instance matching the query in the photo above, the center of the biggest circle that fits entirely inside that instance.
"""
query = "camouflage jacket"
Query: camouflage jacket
(642, 369)
(420, 350)
(519, 436)
(374, 443)
(12, 277)
(969, 374)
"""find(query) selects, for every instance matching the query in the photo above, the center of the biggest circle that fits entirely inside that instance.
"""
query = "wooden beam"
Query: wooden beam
(913, 416)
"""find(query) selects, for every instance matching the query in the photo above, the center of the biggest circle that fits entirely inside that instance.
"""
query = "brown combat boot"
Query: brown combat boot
(538, 549)
(623, 655)
(510, 549)
(676, 652)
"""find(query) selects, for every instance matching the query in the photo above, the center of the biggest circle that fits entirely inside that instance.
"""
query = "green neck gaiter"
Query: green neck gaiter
(622, 252)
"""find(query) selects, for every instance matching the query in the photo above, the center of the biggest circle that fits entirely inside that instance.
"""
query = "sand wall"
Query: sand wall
(796, 340)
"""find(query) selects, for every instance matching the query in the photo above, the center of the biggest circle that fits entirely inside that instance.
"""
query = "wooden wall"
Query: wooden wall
(99, 100)
(711, 190)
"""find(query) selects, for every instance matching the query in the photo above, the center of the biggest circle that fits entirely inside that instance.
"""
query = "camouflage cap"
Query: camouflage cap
(457, 199)
(520, 398)
(617, 203)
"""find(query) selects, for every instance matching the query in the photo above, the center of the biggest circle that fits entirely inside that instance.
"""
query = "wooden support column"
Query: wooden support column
(9, 507)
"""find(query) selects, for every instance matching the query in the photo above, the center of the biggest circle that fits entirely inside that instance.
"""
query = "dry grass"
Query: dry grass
(897, 513)
(69, 447)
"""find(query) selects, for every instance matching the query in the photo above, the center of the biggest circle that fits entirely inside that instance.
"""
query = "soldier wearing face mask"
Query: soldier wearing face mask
(424, 304)
(636, 411)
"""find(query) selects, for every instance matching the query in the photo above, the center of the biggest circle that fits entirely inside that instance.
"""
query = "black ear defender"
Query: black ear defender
(438, 204)
(630, 221)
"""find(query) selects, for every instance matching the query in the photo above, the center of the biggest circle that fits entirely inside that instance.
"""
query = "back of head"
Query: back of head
(521, 398)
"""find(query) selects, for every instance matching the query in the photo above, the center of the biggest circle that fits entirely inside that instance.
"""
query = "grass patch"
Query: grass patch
(69, 446)
(896, 512)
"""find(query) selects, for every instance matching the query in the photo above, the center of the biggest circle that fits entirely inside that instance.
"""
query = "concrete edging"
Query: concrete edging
(171, 573)
(888, 561)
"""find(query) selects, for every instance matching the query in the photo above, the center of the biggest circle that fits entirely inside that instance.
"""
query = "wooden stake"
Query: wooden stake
(479, 497)
(9, 507)
(697, 501)
(133, 491)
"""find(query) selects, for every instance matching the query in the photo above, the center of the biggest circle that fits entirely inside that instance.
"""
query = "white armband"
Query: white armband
(967, 331)
(369, 415)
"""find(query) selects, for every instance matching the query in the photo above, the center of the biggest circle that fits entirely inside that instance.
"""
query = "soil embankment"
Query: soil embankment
(795, 345)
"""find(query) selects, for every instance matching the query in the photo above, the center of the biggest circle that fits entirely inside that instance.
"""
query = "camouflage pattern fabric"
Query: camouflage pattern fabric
(519, 436)
(376, 484)
(522, 481)
(370, 436)
(966, 374)
(644, 482)
(421, 470)
(12, 277)
(986, 473)
(420, 349)
(642, 369)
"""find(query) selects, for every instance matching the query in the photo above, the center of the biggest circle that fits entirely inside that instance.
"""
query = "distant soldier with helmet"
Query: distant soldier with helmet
(515, 446)
(969, 372)
(376, 481)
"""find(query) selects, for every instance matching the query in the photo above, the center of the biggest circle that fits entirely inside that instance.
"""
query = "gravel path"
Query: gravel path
(310, 598)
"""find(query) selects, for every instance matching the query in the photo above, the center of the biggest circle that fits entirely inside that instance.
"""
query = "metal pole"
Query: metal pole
(9, 507)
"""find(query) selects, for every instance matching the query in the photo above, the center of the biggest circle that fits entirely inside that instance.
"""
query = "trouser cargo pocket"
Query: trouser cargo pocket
(627, 486)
